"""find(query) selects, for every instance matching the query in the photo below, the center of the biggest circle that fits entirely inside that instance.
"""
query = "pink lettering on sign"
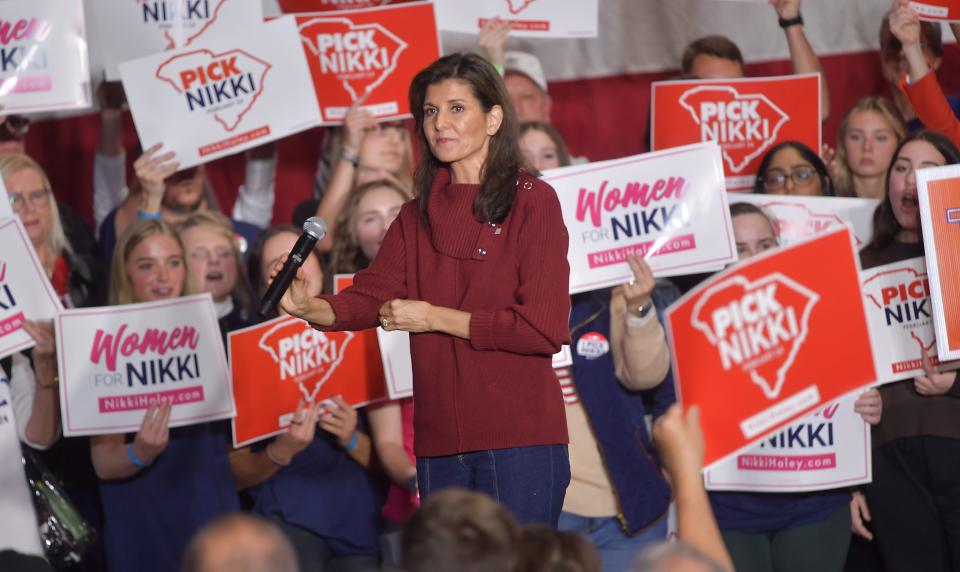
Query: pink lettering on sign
(787, 462)
(118, 403)
(592, 203)
(11, 324)
(153, 340)
(26, 84)
(24, 29)
(642, 249)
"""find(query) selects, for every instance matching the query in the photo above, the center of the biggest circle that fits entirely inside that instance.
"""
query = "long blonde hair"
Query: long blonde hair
(843, 176)
(57, 242)
(121, 290)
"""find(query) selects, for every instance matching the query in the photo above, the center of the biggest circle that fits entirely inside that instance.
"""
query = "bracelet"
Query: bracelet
(354, 441)
(266, 451)
(51, 385)
(797, 21)
(150, 216)
(134, 459)
(352, 159)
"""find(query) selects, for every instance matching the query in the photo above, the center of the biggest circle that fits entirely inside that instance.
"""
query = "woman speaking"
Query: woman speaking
(476, 270)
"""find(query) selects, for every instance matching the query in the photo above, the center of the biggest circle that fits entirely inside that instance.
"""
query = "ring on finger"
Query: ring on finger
(384, 322)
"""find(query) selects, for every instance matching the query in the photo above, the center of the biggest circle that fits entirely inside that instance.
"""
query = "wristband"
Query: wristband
(353, 441)
(150, 216)
(352, 159)
(266, 451)
(797, 21)
(134, 459)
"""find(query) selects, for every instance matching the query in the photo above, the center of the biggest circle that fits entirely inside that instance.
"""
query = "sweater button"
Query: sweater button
(482, 251)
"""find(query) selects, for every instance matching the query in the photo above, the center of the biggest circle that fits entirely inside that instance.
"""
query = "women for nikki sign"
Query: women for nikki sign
(43, 56)
(771, 339)
(25, 291)
(116, 361)
(828, 449)
(669, 208)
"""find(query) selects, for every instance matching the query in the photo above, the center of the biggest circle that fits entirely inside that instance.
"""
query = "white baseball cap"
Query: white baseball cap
(528, 65)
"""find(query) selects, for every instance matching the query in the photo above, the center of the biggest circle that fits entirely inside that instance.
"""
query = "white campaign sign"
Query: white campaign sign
(25, 291)
(117, 360)
(131, 29)
(827, 449)
(528, 18)
(398, 367)
(43, 56)
(224, 95)
(798, 217)
(900, 314)
(669, 207)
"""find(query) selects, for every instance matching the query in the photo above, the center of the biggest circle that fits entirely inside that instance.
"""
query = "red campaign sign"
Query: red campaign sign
(750, 344)
(376, 51)
(292, 6)
(746, 117)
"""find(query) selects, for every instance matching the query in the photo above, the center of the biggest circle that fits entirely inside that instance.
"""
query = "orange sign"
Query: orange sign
(939, 196)
(377, 51)
(770, 339)
(275, 364)
(746, 117)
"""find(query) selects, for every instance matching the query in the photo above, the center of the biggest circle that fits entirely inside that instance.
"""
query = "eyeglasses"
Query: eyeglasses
(36, 199)
(801, 176)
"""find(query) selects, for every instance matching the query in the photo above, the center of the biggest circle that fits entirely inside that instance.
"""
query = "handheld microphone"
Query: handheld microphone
(314, 229)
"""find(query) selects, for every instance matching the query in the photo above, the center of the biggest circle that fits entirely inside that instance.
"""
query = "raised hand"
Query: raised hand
(299, 434)
(154, 434)
(340, 419)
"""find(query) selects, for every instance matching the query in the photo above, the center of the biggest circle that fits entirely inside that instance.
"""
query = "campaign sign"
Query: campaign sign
(231, 93)
(750, 343)
(376, 51)
(939, 196)
(669, 208)
(275, 364)
(901, 318)
(6, 209)
(25, 291)
(43, 56)
(290, 6)
(937, 10)
(827, 449)
(527, 18)
(116, 361)
(797, 217)
(131, 29)
(745, 116)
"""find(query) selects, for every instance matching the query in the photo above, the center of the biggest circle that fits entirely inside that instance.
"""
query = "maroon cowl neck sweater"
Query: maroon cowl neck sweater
(497, 389)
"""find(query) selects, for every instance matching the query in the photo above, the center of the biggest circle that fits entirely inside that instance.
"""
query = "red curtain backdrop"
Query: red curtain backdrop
(601, 118)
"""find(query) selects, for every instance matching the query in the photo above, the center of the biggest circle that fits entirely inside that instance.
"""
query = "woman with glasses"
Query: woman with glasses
(792, 168)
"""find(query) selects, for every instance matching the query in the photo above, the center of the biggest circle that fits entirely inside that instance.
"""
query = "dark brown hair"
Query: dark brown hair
(808, 155)
(716, 46)
(543, 548)
(885, 225)
(563, 155)
(498, 176)
(459, 530)
(931, 38)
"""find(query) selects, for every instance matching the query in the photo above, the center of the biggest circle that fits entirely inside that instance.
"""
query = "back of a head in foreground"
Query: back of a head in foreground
(674, 557)
(543, 548)
(240, 543)
(460, 531)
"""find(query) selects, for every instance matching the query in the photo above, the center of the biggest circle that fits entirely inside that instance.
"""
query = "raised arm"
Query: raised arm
(114, 459)
(35, 390)
(109, 161)
(250, 468)
(640, 353)
(801, 53)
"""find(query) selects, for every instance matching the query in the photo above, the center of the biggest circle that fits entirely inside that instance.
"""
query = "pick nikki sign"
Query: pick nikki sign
(280, 362)
(937, 10)
(938, 192)
(373, 53)
(750, 344)
(527, 18)
(797, 217)
(746, 117)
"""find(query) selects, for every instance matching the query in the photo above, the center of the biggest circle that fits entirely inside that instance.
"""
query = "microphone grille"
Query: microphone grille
(316, 227)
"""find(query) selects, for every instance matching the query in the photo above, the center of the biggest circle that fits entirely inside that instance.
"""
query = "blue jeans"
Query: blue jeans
(617, 550)
(530, 481)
